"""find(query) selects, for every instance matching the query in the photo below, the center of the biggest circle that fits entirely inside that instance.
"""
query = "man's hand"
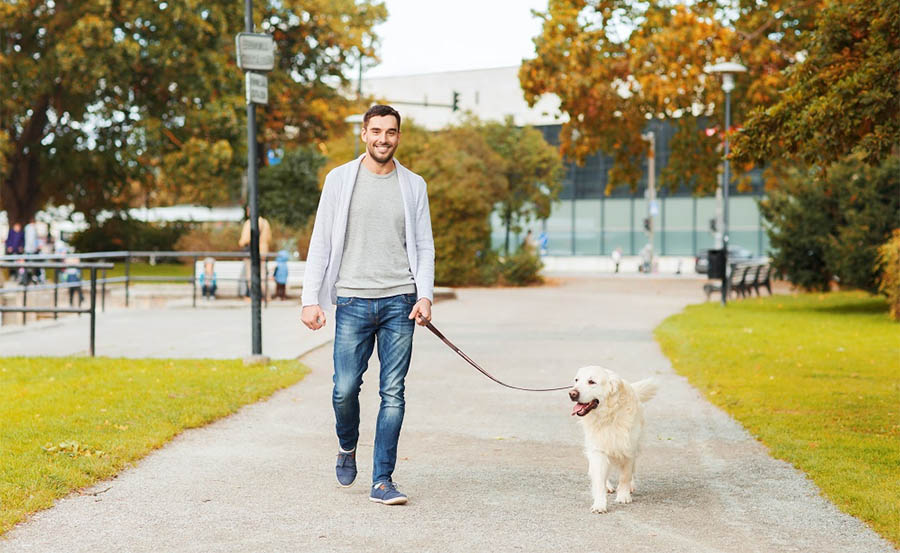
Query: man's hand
(313, 317)
(421, 311)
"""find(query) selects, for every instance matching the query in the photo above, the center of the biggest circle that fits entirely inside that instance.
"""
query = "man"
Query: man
(372, 254)
(265, 238)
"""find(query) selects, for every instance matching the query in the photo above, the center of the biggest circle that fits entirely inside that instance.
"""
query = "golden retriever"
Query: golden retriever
(611, 414)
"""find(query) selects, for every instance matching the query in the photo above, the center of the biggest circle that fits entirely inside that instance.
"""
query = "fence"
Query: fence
(91, 310)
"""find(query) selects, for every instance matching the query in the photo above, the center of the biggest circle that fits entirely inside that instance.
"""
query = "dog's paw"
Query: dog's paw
(598, 508)
(624, 496)
(609, 487)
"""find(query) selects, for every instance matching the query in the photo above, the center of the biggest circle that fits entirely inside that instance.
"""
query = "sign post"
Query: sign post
(255, 52)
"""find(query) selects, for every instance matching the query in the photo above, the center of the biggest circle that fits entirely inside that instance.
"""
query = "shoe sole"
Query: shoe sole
(395, 501)
(346, 485)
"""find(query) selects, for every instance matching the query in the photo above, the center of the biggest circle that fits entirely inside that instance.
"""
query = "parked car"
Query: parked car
(736, 254)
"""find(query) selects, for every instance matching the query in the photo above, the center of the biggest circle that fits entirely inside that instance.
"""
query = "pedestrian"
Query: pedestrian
(15, 244)
(281, 275)
(371, 254)
(529, 244)
(265, 238)
(32, 247)
(208, 282)
(617, 257)
(72, 277)
(542, 243)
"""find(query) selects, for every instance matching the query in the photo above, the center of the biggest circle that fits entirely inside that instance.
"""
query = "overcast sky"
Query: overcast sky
(426, 36)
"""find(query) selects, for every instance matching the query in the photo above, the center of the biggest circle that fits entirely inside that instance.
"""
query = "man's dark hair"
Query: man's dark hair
(380, 110)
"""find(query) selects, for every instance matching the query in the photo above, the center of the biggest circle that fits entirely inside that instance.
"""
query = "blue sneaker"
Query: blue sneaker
(346, 468)
(386, 492)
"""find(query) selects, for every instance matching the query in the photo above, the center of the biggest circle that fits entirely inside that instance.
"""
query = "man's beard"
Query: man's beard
(380, 159)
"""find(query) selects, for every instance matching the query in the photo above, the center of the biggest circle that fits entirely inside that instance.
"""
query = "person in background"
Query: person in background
(208, 279)
(281, 275)
(617, 257)
(265, 238)
(72, 278)
(30, 237)
(15, 244)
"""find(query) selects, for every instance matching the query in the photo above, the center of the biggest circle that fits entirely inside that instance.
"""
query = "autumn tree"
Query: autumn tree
(616, 64)
(532, 171)
(104, 103)
(842, 98)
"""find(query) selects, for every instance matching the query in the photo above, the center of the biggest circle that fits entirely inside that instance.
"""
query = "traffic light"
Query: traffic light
(713, 227)
(647, 224)
(455, 106)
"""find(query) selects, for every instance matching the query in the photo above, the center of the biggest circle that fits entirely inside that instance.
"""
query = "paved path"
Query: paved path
(218, 330)
(487, 469)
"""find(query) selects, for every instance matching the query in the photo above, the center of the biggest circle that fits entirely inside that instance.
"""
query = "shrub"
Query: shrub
(830, 225)
(522, 268)
(889, 268)
(122, 233)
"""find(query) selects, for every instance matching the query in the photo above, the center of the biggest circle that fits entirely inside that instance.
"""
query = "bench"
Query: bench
(230, 271)
(743, 279)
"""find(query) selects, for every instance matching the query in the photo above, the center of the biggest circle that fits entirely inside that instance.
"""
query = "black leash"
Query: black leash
(482, 371)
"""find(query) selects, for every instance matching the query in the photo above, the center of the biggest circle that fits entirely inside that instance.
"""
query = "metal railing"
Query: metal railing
(55, 309)
(127, 279)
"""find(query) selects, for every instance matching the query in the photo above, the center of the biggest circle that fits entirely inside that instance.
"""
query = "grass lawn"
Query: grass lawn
(816, 378)
(66, 423)
(146, 269)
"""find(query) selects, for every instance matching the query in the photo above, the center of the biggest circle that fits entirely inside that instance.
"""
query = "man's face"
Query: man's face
(381, 136)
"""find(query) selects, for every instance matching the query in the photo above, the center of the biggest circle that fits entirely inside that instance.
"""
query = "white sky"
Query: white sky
(427, 36)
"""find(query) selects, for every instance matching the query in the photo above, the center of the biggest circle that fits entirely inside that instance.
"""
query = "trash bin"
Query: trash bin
(716, 264)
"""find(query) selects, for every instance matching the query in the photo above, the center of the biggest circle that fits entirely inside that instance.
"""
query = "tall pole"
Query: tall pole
(651, 191)
(726, 182)
(255, 315)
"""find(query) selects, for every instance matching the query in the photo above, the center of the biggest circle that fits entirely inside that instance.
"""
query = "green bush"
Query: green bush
(121, 233)
(522, 268)
(830, 225)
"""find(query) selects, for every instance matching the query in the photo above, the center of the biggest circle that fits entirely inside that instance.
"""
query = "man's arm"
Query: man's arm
(318, 257)
(421, 311)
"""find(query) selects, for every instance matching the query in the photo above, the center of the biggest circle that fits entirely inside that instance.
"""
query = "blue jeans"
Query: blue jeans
(359, 323)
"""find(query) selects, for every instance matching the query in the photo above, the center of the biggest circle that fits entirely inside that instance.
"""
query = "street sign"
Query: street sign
(255, 51)
(257, 88)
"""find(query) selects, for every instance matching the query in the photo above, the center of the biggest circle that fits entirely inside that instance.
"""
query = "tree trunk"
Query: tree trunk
(20, 191)
(506, 218)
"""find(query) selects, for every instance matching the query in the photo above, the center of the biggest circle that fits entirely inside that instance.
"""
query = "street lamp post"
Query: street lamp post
(727, 70)
(356, 120)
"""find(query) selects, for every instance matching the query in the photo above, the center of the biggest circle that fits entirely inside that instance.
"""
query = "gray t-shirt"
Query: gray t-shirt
(374, 263)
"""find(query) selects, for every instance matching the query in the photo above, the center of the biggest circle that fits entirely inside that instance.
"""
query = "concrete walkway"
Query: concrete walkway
(486, 468)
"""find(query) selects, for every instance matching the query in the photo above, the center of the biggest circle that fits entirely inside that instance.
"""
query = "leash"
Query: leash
(450, 344)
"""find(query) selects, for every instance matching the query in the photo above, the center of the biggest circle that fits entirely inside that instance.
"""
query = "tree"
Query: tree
(823, 228)
(615, 64)
(532, 169)
(842, 98)
(289, 191)
(465, 181)
(105, 104)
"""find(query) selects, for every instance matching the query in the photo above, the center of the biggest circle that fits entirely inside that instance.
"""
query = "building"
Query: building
(584, 221)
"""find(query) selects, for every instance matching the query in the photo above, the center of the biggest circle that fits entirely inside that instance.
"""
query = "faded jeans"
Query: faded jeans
(359, 324)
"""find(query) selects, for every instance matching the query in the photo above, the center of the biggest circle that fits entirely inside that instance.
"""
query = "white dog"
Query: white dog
(613, 420)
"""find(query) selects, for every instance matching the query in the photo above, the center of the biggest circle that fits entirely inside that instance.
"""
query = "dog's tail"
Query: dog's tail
(645, 389)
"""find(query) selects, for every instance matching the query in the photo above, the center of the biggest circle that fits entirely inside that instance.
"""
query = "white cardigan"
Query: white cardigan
(326, 247)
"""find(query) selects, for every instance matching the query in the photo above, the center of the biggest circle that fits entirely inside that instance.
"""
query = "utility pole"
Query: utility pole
(652, 209)
(255, 52)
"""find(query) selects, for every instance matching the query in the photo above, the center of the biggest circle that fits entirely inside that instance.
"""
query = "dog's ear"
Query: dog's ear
(615, 387)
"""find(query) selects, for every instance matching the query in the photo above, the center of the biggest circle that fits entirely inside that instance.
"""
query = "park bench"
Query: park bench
(230, 271)
(743, 279)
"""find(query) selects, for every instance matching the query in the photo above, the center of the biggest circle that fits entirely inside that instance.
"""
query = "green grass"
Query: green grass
(146, 269)
(816, 378)
(66, 423)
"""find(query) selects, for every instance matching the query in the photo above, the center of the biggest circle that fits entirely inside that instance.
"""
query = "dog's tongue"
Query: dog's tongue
(578, 407)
